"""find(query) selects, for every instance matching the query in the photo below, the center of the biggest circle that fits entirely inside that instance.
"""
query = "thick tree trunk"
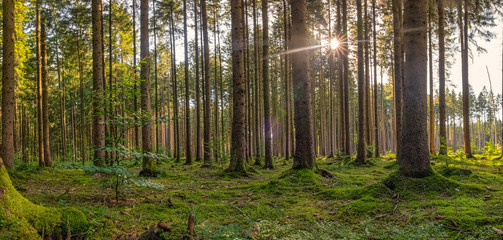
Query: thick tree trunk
(345, 72)
(287, 77)
(304, 139)
(238, 144)
(8, 86)
(98, 119)
(415, 157)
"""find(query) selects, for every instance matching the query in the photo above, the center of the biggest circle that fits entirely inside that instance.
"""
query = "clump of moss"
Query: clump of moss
(28, 220)
(454, 171)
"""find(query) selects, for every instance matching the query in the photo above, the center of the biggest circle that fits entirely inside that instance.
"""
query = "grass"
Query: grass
(463, 199)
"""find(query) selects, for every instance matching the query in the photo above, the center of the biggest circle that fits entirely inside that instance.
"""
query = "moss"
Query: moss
(453, 171)
(28, 220)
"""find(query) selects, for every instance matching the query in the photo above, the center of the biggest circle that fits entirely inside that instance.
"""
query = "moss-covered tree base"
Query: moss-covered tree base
(21, 219)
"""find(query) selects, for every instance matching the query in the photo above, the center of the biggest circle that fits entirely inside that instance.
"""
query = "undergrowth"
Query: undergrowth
(462, 199)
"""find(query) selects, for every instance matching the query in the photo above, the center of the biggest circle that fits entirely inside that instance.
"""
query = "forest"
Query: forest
(251, 119)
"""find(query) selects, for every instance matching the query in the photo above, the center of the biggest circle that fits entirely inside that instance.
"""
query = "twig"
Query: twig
(241, 211)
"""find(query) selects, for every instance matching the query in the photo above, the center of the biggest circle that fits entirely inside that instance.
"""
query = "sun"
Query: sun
(334, 43)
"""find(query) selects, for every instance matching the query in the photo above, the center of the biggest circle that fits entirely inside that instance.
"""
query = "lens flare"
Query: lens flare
(334, 44)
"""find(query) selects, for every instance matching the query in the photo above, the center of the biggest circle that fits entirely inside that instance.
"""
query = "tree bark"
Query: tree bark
(361, 152)
(265, 80)
(304, 139)
(238, 143)
(207, 90)
(98, 119)
(45, 96)
(8, 85)
(415, 157)
(146, 133)
(188, 151)
(463, 23)
(398, 70)
(441, 77)
(197, 90)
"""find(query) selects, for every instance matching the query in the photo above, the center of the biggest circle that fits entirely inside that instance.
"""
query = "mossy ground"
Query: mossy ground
(359, 202)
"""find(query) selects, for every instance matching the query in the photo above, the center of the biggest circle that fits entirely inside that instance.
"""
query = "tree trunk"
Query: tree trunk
(207, 90)
(463, 23)
(287, 77)
(41, 155)
(99, 126)
(265, 80)
(360, 157)
(197, 90)
(398, 70)
(8, 86)
(238, 143)
(376, 118)
(345, 71)
(415, 158)
(304, 149)
(441, 77)
(146, 130)
(430, 62)
(188, 152)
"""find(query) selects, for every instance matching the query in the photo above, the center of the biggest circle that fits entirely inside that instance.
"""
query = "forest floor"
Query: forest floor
(462, 200)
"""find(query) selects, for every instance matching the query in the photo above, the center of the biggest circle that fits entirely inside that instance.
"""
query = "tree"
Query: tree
(41, 155)
(198, 107)
(45, 96)
(398, 69)
(361, 153)
(8, 87)
(463, 29)
(441, 77)
(238, 142)
(207, 91)
(414, 155)
(146, 130)
(98, 82)
(265, 80)
(303, 118)
(188, 152)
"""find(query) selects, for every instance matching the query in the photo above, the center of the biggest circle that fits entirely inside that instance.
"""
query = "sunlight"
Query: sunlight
(334, 43)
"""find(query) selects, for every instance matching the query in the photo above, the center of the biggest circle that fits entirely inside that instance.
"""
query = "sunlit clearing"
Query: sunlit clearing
(334, 44)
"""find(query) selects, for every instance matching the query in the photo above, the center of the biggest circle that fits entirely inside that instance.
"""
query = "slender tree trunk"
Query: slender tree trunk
(266, 90)
(430, 62)
(41, 155)
(45, 96)
(197, 90)
(287, 77)
(238, 144)
(8, 84)
(98, 119)
(188, 152)
(415, 156)
(146, 135)
(361, 154)
(207, 90)
(256, 72)
(304, 150)
(345, 71)
(135, 104)
(398, 70)
(62, 107)
(463, 23)
(157, 137)
(441, 77)
(376, 118)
